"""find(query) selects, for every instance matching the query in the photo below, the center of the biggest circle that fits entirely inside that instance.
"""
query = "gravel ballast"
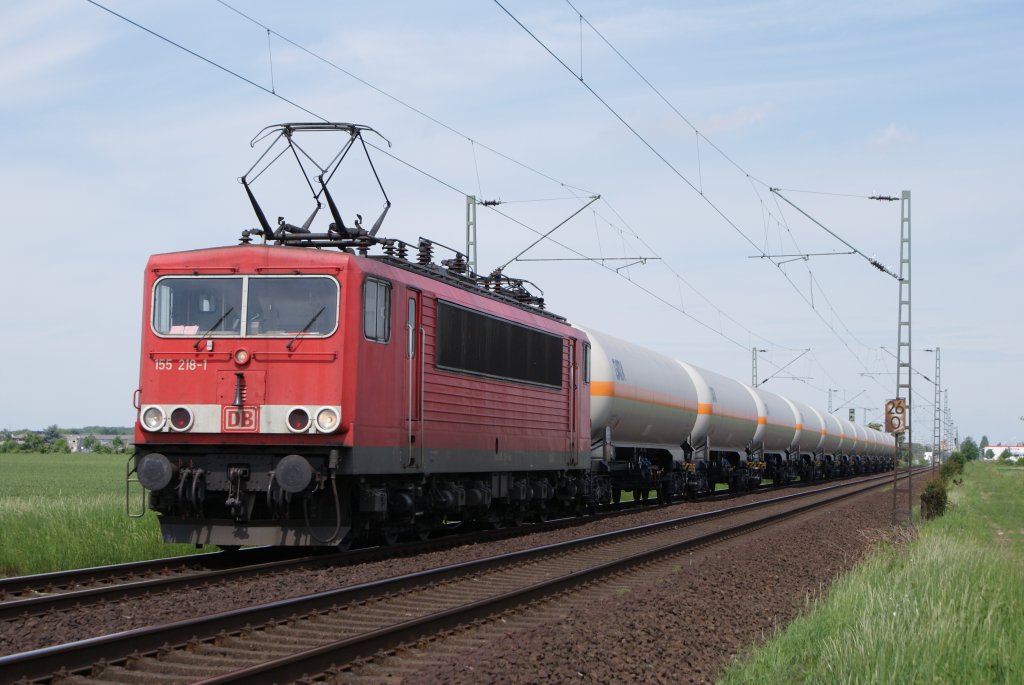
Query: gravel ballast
(681, 626)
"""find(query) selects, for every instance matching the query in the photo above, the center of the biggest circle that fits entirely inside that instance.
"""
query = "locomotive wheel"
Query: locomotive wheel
(518, 516)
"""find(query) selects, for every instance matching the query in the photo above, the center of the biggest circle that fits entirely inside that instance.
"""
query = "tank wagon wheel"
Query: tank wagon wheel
(389, 536)
(616, 495)
(664, 495)
(542, 514)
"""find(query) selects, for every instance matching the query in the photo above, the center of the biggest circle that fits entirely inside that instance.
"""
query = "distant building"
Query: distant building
(75, 441)
(1017, 451)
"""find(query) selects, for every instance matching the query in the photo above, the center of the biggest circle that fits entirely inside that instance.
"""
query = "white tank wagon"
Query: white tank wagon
(657, 421)
(780, 446)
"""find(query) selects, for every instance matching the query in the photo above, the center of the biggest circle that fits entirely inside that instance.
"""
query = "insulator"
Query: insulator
(403, 250)
(425, 253)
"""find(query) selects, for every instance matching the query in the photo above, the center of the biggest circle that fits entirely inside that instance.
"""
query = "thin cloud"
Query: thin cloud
(893, 134)
(36, 54)
(740, 118)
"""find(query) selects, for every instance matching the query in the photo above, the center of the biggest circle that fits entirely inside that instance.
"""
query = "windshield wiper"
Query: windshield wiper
(306, 327)
(212, 328)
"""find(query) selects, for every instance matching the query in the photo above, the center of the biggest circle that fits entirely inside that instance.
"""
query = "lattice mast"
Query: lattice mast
(902, 509)
(937, 416)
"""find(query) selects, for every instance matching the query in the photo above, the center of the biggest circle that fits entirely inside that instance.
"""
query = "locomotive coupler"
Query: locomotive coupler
(234, 503)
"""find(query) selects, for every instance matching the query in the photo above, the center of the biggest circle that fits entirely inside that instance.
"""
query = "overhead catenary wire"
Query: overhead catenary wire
(396, 99)
(435, 178)
(651, 148)
(472, 141)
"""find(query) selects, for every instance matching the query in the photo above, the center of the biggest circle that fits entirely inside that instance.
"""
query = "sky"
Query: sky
(682, 116)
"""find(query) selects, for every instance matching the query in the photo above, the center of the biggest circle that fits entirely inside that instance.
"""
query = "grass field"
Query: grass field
(948, 608)
(61, 511)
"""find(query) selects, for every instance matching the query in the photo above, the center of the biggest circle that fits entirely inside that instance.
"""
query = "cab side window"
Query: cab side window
(377, 310)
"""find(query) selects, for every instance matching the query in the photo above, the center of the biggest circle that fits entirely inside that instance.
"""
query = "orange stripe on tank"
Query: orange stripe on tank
(705, 408)
(762, 420)
(799, 426)
(624, 391)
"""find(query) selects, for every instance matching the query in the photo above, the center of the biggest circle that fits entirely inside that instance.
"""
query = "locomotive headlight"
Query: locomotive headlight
(181, 419)
(326, 420)
(242, 356)
(298, 420)
(153, 418)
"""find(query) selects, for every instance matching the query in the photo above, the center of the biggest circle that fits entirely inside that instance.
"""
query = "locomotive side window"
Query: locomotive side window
(377, 310)
(251, 306)
(480, 344)
(286, 305)
(586, 362)
(193, 306)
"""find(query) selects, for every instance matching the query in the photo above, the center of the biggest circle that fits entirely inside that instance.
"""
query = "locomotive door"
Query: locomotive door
(574, 401)
(414, 376)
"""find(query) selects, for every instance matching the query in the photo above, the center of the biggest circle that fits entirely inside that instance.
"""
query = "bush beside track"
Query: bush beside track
(948, 607)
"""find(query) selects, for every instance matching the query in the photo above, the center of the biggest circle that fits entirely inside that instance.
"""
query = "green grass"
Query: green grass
(62, 511)
(948, 608)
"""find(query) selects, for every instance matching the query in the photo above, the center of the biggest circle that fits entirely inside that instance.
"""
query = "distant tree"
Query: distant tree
(59, 446)
(117, 444)
(51, 434)
(1005, 455)
(989, 454)
(90, 443)
(33, 443)
(969, 449)
(984, 443)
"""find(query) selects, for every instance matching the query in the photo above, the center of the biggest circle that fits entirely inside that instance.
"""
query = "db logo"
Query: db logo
(241, 419)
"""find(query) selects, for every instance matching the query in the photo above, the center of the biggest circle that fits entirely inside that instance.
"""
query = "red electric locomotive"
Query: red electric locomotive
(308, 392)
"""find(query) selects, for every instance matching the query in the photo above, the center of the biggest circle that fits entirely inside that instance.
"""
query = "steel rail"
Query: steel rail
(342, 652)
(82, 655)
(37, 594)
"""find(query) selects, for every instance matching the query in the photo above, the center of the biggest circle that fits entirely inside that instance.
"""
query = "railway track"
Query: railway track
(282, 640)
(37, 594)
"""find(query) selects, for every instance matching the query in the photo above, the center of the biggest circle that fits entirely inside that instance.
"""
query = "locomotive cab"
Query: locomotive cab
(237, 417)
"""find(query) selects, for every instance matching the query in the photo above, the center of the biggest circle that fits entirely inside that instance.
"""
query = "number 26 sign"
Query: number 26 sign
(896, 416)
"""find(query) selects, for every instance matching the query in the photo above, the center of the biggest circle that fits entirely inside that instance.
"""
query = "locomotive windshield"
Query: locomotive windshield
(247, 306)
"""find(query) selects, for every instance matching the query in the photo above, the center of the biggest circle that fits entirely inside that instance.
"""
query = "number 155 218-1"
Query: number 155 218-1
(180, 365)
